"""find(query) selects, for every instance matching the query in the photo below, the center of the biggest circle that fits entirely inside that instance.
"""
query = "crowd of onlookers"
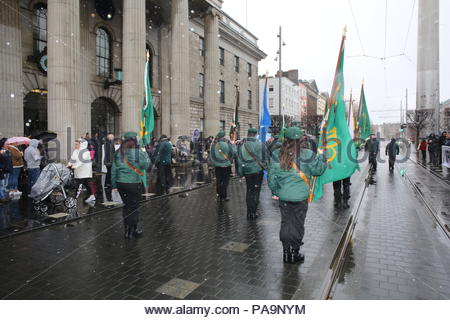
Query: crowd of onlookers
(433, 145)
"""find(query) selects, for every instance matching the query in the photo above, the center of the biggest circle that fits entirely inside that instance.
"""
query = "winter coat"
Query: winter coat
(108, 153)
(433, 144)
(122, 172)
(81, 162)
(287, 184)
(16, 155)
(32, 155)
(372, 146)
(392, 149)
(423, 146)
(163, 153)
(222, 153)
(246, 161)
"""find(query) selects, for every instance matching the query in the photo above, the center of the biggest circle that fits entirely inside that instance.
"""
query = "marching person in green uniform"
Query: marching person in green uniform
(221, 157)
(163, 161)
(128, 168)
(290, 173)
(251, 159)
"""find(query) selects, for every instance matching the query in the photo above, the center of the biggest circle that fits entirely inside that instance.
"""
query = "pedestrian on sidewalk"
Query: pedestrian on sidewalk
(5, 170)
(163, 163)
(433, 149)
(81, 163)
(392, 150)
(108, 156)
(423, 149)
(442, 139)
(17, 162)
(221, 157)
(251, 161)
(128, 168)
(33, 158)
(290, 180)
(373, 148)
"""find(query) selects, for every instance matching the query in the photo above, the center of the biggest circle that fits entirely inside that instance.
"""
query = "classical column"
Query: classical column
(133, 58)
(64, 72)
(11, 97)
(212, 107)
(165, 81)
(180, 84)
(88, 67)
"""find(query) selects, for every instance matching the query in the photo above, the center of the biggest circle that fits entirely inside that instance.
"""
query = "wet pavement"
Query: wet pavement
(398, 251)
(192, 248)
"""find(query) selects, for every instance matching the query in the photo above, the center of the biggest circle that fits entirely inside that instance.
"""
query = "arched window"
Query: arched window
(103, 44)
(40, 28)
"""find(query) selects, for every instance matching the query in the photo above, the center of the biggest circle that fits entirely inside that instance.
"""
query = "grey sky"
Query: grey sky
(312, 31)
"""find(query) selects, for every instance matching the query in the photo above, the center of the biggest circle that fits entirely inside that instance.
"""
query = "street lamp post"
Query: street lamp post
(279, 74)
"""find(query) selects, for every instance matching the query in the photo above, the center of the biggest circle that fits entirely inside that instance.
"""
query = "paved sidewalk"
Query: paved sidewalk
(398, 251)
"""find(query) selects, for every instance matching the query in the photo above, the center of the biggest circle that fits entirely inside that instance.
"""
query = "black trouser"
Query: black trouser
(254, 182)
(293, 215)
(433, 157)
(108, 188)
(373, 161)
(338, 185)
(424, 155)
(222, 180)
(164, 177)
(391, 163)
(131, 195)
(88, 183)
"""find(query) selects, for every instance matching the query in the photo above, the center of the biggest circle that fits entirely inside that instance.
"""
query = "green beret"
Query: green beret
(293, 133)
(130, 135)
(221, 134)
(252, 131)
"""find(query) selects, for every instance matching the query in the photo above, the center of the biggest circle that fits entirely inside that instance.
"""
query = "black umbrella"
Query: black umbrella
(45, 136)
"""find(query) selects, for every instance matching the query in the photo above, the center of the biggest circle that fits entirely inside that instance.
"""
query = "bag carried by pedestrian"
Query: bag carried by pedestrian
(115, 196)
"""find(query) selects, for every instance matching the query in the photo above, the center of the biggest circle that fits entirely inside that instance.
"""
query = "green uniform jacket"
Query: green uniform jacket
(222, 153)
(163, 153)
(287, 184)
(247, 163)
(121, 172)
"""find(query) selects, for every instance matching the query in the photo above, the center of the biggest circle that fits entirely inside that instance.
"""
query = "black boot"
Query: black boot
(128, 232)
(337, 204)
(136, 232)
(346, 205)
(287, 255)
(296, 256)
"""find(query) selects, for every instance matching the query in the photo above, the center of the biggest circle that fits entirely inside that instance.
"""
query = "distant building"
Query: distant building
(321, 104)
(445, 115)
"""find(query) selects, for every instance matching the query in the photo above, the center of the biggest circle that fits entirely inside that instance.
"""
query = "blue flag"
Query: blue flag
(265, 121)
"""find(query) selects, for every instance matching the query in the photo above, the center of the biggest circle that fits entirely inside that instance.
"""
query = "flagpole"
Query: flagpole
(359, 108)
(350, 105)
(325, 119)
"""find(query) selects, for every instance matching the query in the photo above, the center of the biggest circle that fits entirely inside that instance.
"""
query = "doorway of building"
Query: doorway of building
(35, 112)
(104, 116)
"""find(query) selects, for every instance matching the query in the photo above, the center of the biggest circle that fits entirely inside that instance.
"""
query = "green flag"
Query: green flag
(364, 120)
(283, 129)
(335, 135)
(147, 117)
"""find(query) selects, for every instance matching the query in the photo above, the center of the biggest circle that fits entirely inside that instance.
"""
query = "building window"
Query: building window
(40, 28)
(222, 125)
(202, 46)
(222, 56)
(249, 101)
(202, 85)
(271, 100)
(271, 88)
(249, 70)
(236, 63)
(222, 91)
(103, 45)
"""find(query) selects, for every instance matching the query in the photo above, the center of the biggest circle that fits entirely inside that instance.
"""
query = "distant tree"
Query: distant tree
(418, 119)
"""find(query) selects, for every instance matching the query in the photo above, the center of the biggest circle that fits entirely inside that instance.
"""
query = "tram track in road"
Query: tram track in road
(337, 262)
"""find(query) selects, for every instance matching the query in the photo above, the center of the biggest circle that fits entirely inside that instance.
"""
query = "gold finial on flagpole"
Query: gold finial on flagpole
(148, 55)
(345, 31)
(267, 74)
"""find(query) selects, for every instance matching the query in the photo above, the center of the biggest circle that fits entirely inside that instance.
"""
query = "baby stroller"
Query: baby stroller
(51, 190)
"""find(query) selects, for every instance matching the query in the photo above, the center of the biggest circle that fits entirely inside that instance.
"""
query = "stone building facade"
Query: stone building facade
(79, 64)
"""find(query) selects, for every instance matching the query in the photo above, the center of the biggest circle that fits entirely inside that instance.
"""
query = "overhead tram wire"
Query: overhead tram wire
(356, 26)
(409, 26)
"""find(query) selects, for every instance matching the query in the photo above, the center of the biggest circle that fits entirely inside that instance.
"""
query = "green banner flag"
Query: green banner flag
(364, 120)
(147, 116)
(283, 129)
(335, 135)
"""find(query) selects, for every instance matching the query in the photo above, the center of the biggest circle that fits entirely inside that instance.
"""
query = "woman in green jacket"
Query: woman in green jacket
(290, 173)
(128, 168)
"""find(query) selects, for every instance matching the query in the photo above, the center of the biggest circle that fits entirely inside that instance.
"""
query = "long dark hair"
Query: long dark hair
(290, 150)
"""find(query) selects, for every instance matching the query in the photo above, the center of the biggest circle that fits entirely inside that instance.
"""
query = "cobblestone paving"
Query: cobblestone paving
(398, 251)
(192, 248)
